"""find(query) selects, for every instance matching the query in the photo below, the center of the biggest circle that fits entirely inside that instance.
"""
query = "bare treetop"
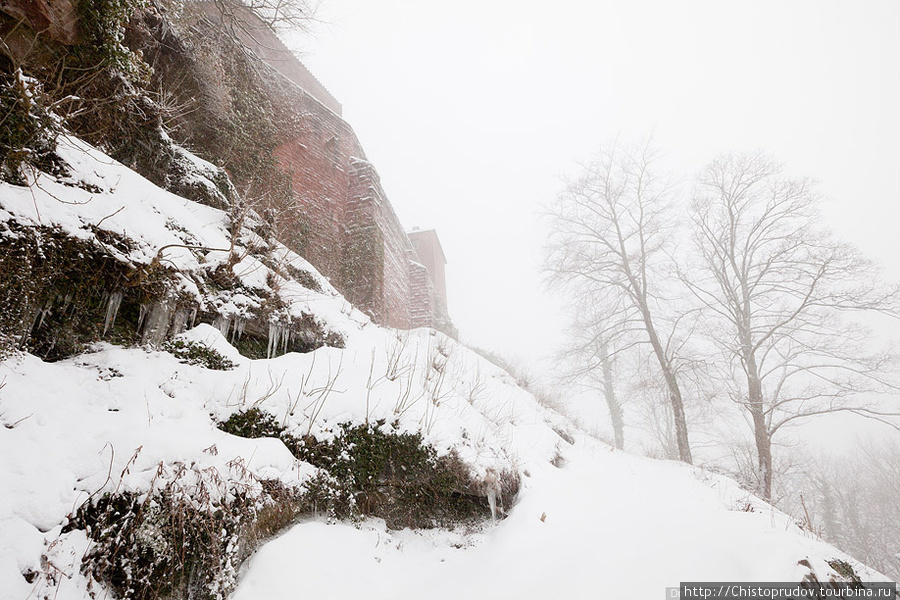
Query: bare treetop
(777, 283)
(609, 245)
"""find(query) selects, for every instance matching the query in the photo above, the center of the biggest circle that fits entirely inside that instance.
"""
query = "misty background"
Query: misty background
(476, 114)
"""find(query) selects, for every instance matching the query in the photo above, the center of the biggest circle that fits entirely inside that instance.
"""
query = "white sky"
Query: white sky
(473, 110)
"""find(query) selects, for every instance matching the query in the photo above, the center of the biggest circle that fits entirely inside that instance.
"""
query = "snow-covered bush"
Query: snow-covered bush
(194, 353)
(27, 131)
(375, 470)
(253, 423)
(183, 540)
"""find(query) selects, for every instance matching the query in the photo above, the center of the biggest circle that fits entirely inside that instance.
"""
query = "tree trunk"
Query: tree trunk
(763, 452)
(615, 409)
(681, 432)
(760, 434)
(760, 429)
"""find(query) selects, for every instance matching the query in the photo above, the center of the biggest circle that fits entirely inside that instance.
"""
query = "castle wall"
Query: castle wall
(315, 149)
(377, 252)
(431, 254)
(422, 296)
(260, 38)
(347, 226)
(247, 104)
(340, 218)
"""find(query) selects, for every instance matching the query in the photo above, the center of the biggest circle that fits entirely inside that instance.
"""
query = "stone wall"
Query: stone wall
(370, 218)
(422, 296)
(57, 19)
(430, 252)
(341, 219)
(316, 151)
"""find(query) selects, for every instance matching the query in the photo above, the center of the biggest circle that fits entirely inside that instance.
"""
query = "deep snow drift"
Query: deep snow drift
(589, 522)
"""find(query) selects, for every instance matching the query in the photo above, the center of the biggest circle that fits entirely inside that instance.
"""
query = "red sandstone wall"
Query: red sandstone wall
(397, 255)
(55, 18)
(341, 220)
(363, 246)
(257, 36)
(316, 150)
(422, 296)
(377, 252)
(431, 254)
(351, 233)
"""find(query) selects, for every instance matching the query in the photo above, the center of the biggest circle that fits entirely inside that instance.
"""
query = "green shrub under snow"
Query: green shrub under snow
(185, 539)
(375, 470)
(187, 536)
(380, 472)
(194, 353)
(253, 423)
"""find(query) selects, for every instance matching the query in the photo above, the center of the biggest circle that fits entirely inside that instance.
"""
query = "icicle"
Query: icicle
(157, 323)
(223, 324)
(179, 321)
(141, 316)
(274, 338)
(492, 486)
(193, 317)
(280, 339)
(112, 310)
(286, 339)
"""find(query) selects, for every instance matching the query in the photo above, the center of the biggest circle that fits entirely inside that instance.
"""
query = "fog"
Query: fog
(473, 113)
(476, 113)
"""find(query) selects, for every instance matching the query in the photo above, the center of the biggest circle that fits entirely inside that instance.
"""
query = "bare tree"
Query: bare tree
(865, 498)
(277, 15)
(608, 244)
(648, 393)
(852, 500)
(590, 361)
(776, 286)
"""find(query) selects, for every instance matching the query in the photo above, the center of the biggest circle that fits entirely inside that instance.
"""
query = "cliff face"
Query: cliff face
(57, 19)
(219, 82)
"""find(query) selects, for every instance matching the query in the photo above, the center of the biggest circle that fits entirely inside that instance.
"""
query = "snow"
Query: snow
(118, 419)
(615, 526)
(105, 421)
(126, 204)
(632, 526)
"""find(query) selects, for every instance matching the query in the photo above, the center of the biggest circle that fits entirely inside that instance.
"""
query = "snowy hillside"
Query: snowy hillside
(142, 422)
(605, 525)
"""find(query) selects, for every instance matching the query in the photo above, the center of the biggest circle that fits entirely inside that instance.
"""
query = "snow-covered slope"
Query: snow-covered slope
(606, 525)
(105, 421)
(100, 198)
(589, 521)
